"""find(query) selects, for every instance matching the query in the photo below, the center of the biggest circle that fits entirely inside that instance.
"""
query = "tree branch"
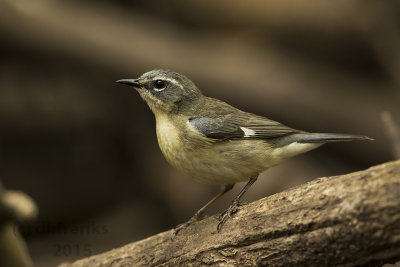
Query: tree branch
(351, 219)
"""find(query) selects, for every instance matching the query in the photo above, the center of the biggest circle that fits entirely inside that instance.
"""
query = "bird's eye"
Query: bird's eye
(159, 84)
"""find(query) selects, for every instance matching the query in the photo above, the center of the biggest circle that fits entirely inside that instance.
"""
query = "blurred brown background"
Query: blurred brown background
(84, 148)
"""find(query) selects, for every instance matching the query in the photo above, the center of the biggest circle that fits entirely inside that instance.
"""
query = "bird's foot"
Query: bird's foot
(182, 226)
(233, 208)
(241, 203)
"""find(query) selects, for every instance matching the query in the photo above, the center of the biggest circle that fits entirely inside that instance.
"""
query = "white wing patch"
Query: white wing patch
(247, 132)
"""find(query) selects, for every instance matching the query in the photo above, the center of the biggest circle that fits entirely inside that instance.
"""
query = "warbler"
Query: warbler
(215, 142)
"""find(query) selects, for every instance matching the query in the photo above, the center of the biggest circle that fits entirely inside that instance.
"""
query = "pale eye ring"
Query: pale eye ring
(159, 84)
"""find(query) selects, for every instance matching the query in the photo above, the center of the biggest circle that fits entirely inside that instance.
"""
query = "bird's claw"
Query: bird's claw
(241, 203)
(233, 208)
(179, 227)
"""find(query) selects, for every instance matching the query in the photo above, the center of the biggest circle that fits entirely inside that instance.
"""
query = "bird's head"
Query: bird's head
(165, 91)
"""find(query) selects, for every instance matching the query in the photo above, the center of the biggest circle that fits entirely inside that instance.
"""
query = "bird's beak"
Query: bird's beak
(130, 82)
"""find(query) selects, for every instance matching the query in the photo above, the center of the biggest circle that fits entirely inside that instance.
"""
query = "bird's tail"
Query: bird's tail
(330, 137)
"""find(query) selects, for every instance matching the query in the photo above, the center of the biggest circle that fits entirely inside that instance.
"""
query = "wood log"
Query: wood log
(349, 220)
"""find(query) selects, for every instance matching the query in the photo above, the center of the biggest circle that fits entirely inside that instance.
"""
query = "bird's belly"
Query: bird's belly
(225, 162)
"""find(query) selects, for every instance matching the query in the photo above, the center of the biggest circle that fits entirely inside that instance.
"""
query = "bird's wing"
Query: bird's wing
(239, 125)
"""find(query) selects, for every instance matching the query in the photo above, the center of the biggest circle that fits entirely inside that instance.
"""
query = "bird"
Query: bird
(216, 143)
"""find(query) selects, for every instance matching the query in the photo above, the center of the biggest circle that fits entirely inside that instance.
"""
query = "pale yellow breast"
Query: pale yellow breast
(167, 136)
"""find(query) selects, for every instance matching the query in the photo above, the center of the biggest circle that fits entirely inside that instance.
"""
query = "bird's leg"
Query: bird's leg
(235, 203)
(201, 211)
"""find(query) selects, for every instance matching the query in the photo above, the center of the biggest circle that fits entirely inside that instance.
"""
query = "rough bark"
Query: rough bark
(349, 220)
